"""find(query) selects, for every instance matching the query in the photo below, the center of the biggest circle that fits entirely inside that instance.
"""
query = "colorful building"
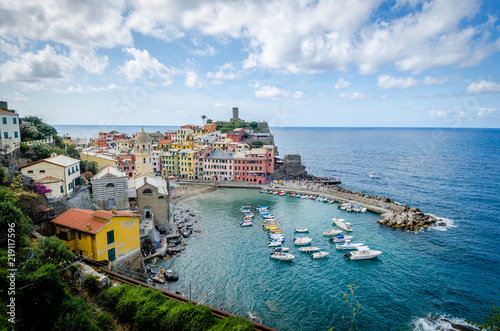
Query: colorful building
(199, 156)
(218, 166)
(236, 135)
(10, 134)
(61, 174)
(186, 163)
(102, 159)
(170, 163)
(99, 235)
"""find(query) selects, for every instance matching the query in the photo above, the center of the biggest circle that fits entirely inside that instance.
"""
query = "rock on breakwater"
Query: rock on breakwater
(411, 219)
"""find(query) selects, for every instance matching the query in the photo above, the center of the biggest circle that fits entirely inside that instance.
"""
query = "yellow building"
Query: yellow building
(186, 158)
(124, 144)
(220, 145)
(102, 160)
(170, 163)
(182, 133)
(99, 235)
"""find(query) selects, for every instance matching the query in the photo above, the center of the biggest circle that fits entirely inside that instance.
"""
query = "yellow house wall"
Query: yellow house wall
(50, 170)
(126, 233)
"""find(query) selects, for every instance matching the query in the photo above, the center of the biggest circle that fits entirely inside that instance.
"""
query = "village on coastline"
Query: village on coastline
(135, 195)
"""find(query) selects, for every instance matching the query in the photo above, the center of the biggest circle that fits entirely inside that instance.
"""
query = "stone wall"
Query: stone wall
(110, 188)
(131, 265)
(79, 200)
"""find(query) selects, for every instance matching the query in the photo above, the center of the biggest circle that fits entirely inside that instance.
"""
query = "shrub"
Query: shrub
(188, 317)
(109, 297)
(149, 316)
(130, 302)
(233, 323)
(104, 321)
(75, 315)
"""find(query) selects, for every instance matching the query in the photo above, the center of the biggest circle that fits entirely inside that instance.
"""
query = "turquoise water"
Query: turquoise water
(234, 262)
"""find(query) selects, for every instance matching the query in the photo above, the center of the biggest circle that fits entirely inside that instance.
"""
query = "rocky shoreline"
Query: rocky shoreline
(412, 220)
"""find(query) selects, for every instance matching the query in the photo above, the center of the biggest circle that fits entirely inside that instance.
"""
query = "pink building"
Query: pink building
(255, 165)
(156, 160)
(219, 165)
(199, 157)
(126, 163)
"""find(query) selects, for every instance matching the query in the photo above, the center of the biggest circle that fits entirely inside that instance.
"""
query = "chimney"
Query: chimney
(88, 227)
(113, 210)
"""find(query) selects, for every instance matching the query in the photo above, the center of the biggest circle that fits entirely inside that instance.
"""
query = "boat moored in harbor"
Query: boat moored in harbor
(319, 255)
(350, 245)
(341, 223)
(362, 253)
(302, 241)
(282, 256)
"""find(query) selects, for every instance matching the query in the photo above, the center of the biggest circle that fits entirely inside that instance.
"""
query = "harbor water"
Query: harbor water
(451, 272)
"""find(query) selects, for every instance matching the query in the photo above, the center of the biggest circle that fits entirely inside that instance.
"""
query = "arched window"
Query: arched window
(161, 197)
(147, 191)
(110, 185)
(144, 160)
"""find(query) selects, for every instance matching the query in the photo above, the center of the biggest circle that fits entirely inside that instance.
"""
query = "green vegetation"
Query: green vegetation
(88, 166)
(225, 127)
(255, 144)
(34, 128)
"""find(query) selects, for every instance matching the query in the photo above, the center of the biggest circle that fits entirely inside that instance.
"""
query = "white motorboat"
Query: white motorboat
(274, 243)
(246, 223)
(341, 223)
(246, 210)
(309, 249)
(319, 255)
(362, 253)
(304, 230)
(268, 216)
(332, 233)
(281, 249)
(302, 241)
(282, 256)
(374, 175)
(340, 239)
(350, 245)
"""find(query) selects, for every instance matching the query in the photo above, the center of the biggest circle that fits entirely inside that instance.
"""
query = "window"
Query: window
(69, 171)
(62, 190)
(111, 236)
(79, 235)
(15, 133)
(14, 120)
(30, 171)
(5, 134)
(110, 185)
(4, 119)
(111, 255)
(147, 191)
(42, 171)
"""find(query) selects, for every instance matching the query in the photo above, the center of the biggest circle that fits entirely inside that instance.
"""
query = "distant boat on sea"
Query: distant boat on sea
(374, 175)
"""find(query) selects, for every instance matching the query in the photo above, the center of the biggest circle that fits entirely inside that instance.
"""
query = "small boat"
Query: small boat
(246, 223)
(274, 243)
(332, 233)
(282, 256)
(362, 253)
(263, 191)
(281, 194)
(292, 195)
(350, 245)
(309, 249)
(302, 241)
(246, 207)
(281, 249)
(246, 210)
(304, 230)
(341, 223)
(340, 239)
(374, 175)
(268, 216)
(319, 255)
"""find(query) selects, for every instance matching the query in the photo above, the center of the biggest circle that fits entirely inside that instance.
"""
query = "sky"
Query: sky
(337, 63)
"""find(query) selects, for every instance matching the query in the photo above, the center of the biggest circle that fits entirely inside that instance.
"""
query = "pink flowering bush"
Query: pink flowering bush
(40, 189)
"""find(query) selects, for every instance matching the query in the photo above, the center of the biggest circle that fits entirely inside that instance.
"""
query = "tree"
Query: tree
(209, 121)
(89, 166)
(53, 250)
(203, 117)
(40, 150)
(12, 217)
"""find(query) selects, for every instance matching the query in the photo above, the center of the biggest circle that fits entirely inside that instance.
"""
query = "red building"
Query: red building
(254, 166)
(236, 135)
(126, 163)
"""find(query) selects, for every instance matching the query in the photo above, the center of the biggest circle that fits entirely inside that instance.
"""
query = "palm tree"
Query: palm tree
(203, 117)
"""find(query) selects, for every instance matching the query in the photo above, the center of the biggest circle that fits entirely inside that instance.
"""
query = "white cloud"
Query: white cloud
(156, 111)
(487, 113)
(435, 80)
(354, 96)
(87, 89)
(35, 67)
(298, 95)
(439, 114)
(271, 92)
(192, 80)
(144, 64)
(341, 84)
(388, 82)
(16, 96)
(227, 72)
(483, 87)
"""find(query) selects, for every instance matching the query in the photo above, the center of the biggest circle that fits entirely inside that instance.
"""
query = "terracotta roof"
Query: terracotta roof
(7, 112)
(164, 141)
(79, 218)
(48, 179)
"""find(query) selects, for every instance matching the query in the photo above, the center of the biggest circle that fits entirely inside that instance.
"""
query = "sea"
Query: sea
(450, 272)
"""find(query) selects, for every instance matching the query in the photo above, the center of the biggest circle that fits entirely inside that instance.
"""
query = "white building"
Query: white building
(9, 129)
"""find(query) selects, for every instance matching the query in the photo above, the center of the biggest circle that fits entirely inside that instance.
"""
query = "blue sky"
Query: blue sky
(358, 63)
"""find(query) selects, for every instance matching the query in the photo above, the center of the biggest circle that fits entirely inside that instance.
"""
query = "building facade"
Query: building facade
(109, 187)
(10, 134)
(148, 195)
(99, 235)
(219, 166)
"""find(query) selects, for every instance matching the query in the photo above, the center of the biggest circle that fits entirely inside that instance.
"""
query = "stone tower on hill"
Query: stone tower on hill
(143, 149)
(235, 117)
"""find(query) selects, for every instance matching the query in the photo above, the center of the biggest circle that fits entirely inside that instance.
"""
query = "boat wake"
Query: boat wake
(442, 322)
(449, 223)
